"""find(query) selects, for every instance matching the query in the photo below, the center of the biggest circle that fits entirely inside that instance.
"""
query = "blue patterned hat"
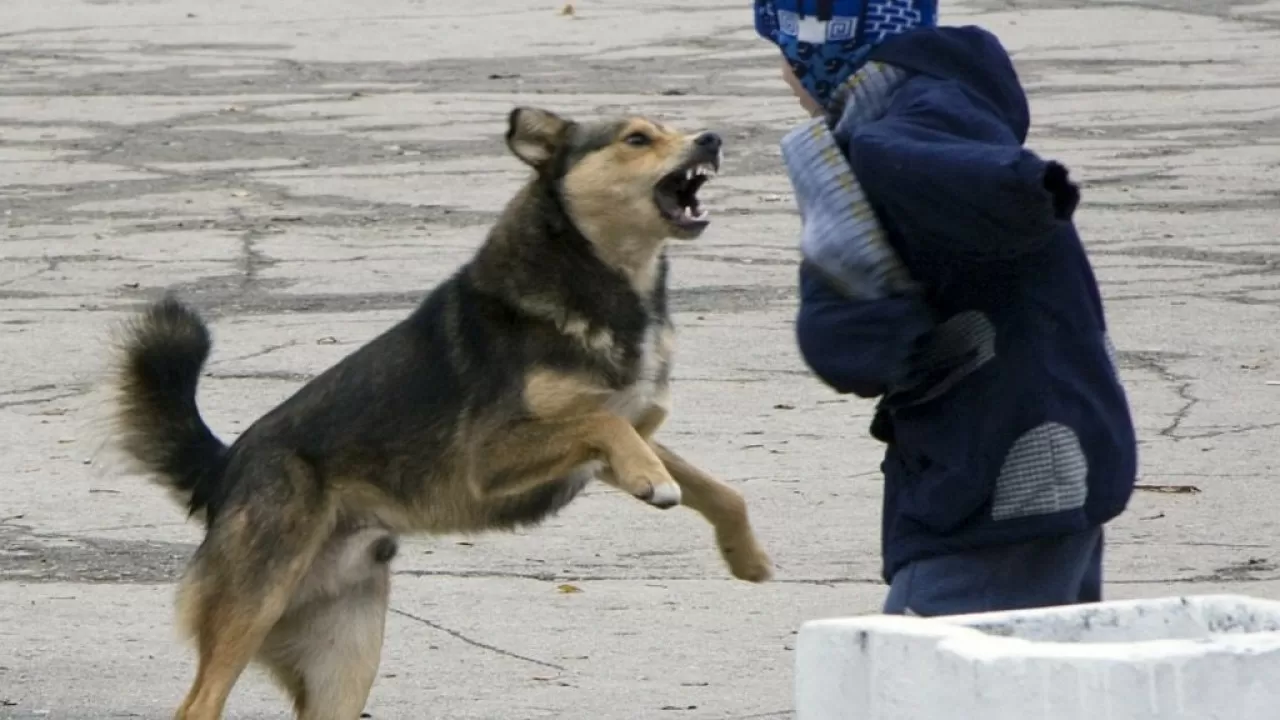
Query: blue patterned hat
(826, 41)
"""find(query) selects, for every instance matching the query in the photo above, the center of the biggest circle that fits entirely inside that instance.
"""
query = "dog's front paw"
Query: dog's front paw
(663, 494)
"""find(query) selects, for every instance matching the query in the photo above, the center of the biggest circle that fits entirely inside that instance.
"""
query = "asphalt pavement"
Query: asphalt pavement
(305, 171)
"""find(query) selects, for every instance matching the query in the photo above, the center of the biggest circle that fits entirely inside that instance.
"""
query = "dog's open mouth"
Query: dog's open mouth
(677, 196)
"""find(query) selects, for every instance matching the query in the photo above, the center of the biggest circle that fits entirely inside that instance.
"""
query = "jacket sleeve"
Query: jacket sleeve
(862, 347)
(952, 178)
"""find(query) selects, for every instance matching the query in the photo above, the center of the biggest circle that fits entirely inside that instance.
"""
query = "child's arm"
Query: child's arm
(857, 346)
(946, 170)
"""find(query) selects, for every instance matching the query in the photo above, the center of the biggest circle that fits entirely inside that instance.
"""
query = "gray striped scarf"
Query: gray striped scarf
(842, 236)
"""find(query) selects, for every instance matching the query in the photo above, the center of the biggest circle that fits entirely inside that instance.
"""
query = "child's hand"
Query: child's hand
(864, 347)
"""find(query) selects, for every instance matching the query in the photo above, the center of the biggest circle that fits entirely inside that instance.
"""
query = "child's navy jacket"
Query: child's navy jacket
(1017, 426)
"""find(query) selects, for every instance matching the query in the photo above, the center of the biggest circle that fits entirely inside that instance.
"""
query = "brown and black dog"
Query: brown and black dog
(540, 365)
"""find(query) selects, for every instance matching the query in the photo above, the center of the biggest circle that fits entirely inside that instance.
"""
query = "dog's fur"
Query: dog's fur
(538, 366)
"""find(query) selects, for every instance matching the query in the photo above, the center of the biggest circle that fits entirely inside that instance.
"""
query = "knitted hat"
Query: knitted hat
(826, 41)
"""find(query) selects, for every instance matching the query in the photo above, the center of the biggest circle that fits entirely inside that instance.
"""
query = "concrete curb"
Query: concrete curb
(1187, 658)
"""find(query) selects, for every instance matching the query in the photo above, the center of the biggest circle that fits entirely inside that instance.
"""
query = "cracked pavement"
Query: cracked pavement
(305, 171)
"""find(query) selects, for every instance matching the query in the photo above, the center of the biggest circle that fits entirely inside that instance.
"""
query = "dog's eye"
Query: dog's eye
(637, 139)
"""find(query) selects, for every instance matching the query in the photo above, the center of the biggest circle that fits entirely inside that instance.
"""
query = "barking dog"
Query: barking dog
(540, 365)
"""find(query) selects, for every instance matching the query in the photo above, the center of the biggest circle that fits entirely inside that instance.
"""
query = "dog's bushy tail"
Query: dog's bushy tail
(159, 427)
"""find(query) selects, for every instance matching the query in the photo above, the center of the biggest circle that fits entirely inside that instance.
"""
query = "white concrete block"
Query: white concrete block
(1194, 658)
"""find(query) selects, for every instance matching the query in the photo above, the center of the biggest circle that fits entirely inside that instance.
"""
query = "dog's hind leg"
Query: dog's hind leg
(242, 581)
(725, 509)
(326, 649)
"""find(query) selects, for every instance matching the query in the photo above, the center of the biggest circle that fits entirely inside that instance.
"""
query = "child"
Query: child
(942, 273)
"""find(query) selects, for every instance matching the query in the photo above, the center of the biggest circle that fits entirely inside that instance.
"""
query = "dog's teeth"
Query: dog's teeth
(688, 174)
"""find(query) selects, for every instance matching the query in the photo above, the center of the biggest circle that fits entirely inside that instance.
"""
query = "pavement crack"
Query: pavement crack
(476, 643)
(1221, 578)
(33, 388)
(1157, 364)
(282, 375)
(252, 260)
(602, 577)
(73, 392)
(1234, 430)
(1189, 402)
(467, 574)
(26, 276)
(260, 353)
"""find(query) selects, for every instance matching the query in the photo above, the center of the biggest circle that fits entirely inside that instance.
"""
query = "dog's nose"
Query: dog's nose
(708, 141)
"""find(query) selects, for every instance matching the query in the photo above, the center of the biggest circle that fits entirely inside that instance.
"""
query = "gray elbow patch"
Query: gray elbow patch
(1045, 472)
(955, 349)
(966, 338)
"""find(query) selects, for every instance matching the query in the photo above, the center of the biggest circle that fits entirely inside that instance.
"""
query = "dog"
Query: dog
(539, 365)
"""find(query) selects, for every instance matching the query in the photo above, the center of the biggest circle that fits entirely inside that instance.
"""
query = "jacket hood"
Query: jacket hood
(969, 56)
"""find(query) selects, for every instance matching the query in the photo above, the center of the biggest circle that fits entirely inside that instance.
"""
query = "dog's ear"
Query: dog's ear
(534, 135)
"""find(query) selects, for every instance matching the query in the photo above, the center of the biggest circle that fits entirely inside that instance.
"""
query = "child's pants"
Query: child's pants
(1062, 570)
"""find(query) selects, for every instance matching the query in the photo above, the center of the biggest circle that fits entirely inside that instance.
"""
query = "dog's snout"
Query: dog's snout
(708, 141)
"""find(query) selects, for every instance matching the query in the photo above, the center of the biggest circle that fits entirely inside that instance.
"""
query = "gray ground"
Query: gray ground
(305, 170)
